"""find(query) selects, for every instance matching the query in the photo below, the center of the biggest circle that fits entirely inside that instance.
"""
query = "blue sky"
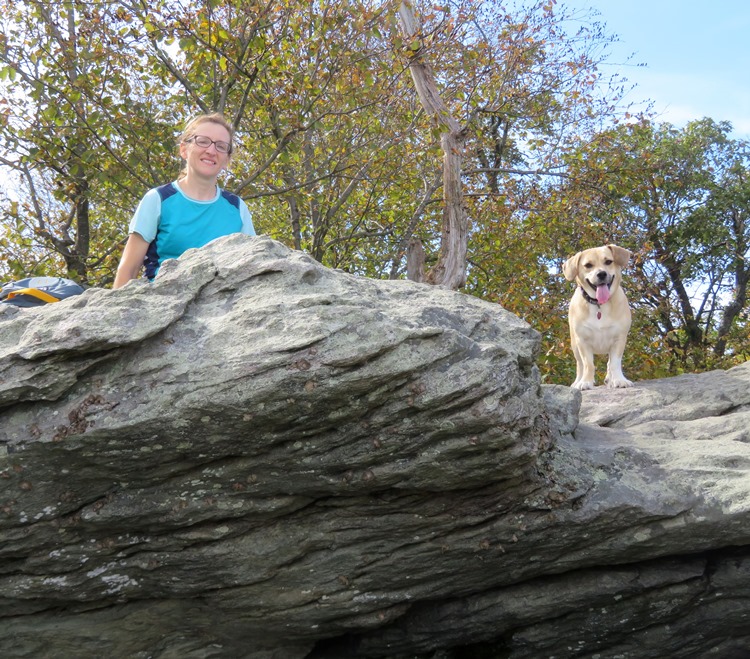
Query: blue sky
(697, 56)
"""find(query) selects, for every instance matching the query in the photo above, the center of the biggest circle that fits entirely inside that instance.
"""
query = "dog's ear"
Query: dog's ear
(620, 255)
(570, 267)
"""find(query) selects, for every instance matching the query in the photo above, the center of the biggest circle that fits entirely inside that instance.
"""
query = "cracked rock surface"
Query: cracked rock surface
(256, 456)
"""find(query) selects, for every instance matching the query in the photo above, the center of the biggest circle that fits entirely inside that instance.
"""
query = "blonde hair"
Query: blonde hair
(192, 127)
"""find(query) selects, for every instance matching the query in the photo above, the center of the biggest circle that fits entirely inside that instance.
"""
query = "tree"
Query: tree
(506, 159)
(525, 88)
(335, 156)
(450, 269)
(76, 112)
(678, 198)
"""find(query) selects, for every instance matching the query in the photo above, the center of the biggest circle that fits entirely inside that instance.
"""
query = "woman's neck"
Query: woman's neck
(198, 188)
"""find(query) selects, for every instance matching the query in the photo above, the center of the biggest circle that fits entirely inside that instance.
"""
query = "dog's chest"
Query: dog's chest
(600, 330)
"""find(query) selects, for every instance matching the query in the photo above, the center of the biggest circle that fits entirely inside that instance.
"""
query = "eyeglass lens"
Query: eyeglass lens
(204, 142)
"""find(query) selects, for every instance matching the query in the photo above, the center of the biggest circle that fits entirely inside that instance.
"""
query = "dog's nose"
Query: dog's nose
(601, 275)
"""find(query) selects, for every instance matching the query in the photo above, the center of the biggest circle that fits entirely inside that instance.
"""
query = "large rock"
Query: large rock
(256, 456)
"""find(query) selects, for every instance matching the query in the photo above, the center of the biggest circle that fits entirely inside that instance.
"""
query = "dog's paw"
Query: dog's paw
(582, 384)
(619, 383)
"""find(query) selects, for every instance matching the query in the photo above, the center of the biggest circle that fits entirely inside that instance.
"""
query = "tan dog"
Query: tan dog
(599, 315)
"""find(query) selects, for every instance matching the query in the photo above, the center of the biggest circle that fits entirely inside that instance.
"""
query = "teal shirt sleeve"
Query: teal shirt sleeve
(145, 220)
(247, 220)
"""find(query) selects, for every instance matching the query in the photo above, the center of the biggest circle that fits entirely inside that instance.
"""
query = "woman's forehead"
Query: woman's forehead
(213, 130)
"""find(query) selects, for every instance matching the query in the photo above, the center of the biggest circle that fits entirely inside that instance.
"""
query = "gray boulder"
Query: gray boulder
(256, 456)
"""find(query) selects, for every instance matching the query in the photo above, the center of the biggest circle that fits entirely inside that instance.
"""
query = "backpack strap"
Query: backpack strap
(166, 191)
(231, 198)
(33, 292)
(151, 260)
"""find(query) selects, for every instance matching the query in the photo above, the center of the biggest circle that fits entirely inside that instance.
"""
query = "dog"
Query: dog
(599, 313)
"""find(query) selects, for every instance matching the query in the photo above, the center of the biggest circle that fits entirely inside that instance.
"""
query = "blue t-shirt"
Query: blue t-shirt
(171, 222)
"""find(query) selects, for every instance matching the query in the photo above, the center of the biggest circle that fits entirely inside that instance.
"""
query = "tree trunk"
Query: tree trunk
(78, 262)
(741, 282)
(450, 269)
(415, 260)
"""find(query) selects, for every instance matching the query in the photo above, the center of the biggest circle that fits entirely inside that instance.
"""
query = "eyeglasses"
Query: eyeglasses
(204, 142)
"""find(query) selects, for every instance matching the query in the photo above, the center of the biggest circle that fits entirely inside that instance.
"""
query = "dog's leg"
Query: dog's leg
(615, 378)
(579, 363)
(584, 367)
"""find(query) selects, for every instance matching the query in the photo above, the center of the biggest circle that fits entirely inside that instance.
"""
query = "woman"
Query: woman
(189, 212)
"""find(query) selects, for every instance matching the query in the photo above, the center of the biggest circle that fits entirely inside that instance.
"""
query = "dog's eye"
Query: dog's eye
(588, 266)
(608, 262)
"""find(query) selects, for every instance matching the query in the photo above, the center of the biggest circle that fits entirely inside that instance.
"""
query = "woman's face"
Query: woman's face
(206, 162)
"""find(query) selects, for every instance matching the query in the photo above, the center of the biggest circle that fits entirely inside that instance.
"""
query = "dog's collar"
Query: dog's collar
(588, 298)
(592, 300)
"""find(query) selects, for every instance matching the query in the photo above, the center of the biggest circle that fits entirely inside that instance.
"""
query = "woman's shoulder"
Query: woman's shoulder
(164, 191)
(231, 198)
(160, 193)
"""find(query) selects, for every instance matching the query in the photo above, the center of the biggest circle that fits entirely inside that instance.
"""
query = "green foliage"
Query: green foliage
(678, 199)
(336, 157)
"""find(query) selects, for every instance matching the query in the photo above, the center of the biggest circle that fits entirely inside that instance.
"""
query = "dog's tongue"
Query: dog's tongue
(602, 293)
